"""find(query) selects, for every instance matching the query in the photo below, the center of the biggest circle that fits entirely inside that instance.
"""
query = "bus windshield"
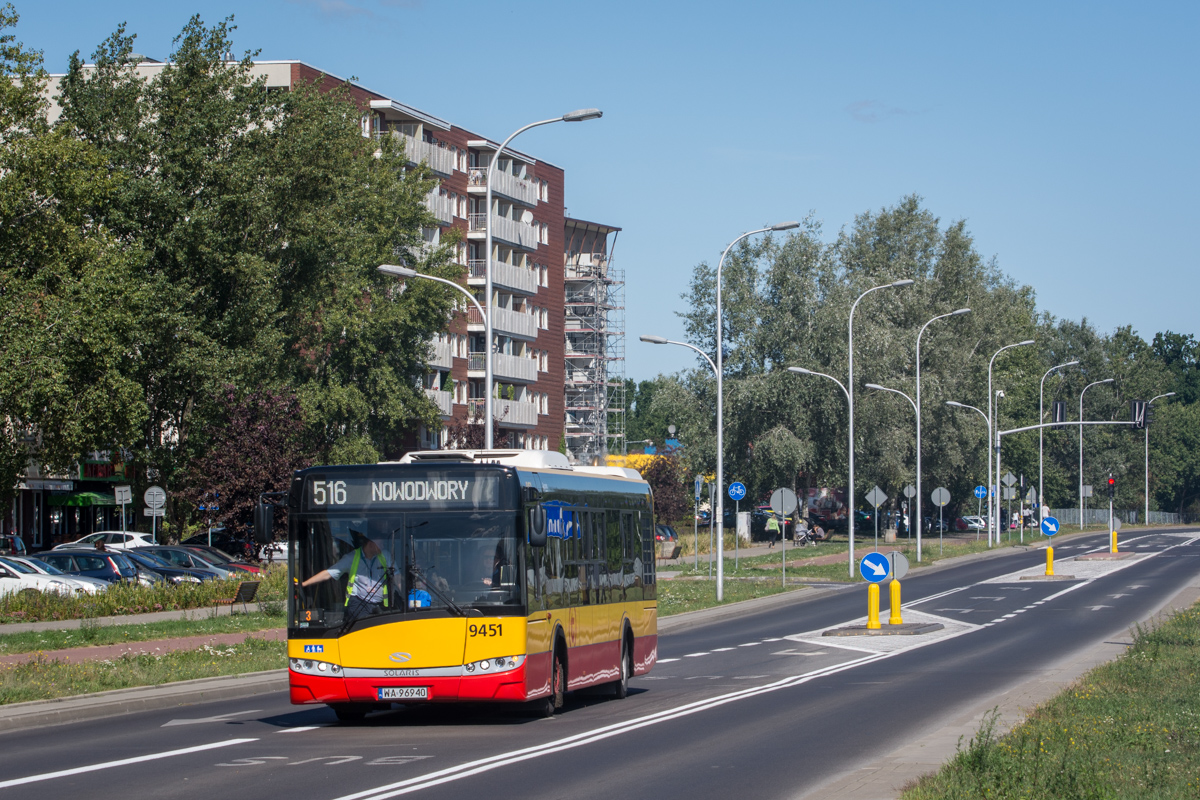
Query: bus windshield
(351, 567)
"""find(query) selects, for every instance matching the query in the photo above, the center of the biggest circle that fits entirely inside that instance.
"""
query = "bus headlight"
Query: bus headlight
(500, 664)
(309, 667)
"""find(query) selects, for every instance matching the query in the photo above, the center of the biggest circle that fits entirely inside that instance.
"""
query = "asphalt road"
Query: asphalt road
(759, 706)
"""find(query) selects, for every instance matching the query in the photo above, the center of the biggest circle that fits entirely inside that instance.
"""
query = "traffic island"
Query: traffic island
(1105, 556)
(1047, 577)
(903, 629)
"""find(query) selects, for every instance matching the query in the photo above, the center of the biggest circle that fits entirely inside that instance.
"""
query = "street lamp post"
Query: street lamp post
(1146, 519)
(1041, 418)
(573, 116)
(917, 412)
(921, 519)
(993, 515)
(986, 422)
(1081, 394)
(720, 368)
(850, 398)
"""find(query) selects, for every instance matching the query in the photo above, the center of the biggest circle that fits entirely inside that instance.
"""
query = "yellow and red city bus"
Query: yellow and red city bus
(510, 577)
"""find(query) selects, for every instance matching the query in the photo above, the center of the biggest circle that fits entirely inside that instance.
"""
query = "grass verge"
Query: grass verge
(1128, 729)
(92, 634)
(47, 678)
(676, 596)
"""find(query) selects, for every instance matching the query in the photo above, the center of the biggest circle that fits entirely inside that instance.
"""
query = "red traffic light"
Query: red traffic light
(1112, 481)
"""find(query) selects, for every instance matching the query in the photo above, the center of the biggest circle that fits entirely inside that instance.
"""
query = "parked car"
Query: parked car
(222, 539)
(18, 577)
(187, 559)
(81, 584)
(223, 559)
(973, 523)
(110, 567)
(148, 561)
(667, 540)
(113, 540)
(12, 545)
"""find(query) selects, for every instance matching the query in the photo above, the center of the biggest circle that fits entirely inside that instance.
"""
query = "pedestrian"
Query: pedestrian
(772, 530)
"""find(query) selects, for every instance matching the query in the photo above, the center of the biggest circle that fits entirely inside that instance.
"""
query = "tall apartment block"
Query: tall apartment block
(555, 303)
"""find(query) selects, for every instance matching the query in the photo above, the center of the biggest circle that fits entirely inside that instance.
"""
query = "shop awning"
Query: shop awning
(82, 499)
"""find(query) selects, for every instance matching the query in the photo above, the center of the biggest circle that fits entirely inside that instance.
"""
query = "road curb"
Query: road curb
(39, 713)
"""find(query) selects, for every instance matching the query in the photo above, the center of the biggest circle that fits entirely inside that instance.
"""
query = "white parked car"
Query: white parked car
(113, 540)
(975, 523)
(16, 578)
(81, 583)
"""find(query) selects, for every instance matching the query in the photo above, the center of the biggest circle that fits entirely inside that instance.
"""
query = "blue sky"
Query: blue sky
(1064, 133)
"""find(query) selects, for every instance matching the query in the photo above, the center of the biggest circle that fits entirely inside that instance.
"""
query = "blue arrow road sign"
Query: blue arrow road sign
(737, 491)
(1049, 526)
(981, 492)
(874, 567)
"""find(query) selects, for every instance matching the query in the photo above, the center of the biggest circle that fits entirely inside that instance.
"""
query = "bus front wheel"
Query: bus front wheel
(349, 712)
(621, 684)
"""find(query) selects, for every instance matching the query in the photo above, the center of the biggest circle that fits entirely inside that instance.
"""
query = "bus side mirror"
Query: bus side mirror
(537, 526)
(264, 523)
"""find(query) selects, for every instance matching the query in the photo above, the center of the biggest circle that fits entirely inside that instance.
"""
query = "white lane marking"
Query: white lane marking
(45, 776)
(218, 718)
(666, 660)
(696, 655)
(721, 649)
(776, 639)
(750, 644)
(578, 740)
(298, 730)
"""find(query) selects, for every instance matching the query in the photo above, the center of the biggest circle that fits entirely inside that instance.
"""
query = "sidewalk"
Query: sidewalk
(120, 619)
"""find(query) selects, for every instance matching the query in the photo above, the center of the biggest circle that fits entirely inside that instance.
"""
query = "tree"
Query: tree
(664, 473)
(259, 441)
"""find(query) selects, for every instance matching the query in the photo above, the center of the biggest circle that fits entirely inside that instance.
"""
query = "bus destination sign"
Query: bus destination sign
(429, 490)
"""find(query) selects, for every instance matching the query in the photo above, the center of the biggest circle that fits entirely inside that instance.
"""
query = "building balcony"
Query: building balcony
(506, 185)
(504, 366)
(507, 413)
(510, 323)
(439, 159)
(518, 279)
(441, 206)
(517, 234)
(586, 266)
(441, 355)
(443, 400)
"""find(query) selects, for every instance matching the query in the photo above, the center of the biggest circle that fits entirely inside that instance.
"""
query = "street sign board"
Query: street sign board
(155, 497)
(1086, 490)
(699, 483)
(1116, 523)
(910, 491)
(940, 496)
(154, 512)
(1031, 496)
(874, 567)
(783, 502)
(876, 497)
(898, 563)
(737, 491)
(1008, 493)
(981, 492)
(1009, 479)
(123, 494)
(1049, 526)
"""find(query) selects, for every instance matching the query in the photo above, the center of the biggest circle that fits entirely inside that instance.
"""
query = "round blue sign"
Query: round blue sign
(737, 491)
(1049, 526)
(981, 492)
(874, 567)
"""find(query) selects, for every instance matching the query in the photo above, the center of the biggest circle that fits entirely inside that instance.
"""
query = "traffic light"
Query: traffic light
(1149, 415)
(1058, 413)
(1137, 413)
(1112, 487)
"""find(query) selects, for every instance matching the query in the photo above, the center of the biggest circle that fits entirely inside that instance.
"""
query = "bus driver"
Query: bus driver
(368, 570)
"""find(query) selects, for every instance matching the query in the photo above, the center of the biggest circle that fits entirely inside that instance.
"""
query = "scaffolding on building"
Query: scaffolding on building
(595, 343)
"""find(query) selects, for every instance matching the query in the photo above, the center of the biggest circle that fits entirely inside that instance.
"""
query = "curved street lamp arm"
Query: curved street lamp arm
(879, 388)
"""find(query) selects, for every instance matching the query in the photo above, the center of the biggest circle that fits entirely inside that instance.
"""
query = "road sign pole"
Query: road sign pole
(736, 538)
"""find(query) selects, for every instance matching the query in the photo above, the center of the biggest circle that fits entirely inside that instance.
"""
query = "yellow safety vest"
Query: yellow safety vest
(354, 572)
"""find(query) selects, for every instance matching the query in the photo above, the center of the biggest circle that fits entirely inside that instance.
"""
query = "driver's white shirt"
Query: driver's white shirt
(368, 581)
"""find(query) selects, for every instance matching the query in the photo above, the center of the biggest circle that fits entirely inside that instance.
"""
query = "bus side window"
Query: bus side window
(649, 589)
(631, 556)
(614, 559)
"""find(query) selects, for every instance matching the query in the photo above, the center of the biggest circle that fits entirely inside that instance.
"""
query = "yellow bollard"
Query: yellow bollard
(1049, 561)
(895, 593)
(873, 607)
(1114, 542)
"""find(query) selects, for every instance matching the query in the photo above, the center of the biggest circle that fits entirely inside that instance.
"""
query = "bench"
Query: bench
(246, 590)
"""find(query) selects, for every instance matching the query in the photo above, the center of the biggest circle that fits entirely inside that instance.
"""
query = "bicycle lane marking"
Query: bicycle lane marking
(45, 776)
